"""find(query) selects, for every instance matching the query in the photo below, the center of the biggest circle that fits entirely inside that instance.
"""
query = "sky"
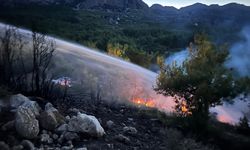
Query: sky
(182, 3)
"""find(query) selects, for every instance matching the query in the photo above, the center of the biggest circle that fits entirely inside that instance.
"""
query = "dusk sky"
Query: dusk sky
(181, 3)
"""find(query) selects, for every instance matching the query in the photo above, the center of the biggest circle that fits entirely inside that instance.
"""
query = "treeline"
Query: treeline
(24, 65)
(145, 38)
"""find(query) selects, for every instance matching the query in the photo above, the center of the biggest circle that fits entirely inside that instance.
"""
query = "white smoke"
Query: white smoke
(239, 59)
(178, 58)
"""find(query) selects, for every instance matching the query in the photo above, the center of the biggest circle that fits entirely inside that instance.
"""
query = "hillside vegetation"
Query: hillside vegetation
(144, 33)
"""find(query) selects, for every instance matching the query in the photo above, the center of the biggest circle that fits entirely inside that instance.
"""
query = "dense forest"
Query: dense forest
(134, 33)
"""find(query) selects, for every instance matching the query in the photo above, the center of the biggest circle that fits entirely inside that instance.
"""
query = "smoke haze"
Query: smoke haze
(240, 55)
(118, 79)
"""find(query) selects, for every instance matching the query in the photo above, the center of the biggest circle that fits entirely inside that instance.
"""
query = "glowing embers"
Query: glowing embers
(182, 107)
(144, 102)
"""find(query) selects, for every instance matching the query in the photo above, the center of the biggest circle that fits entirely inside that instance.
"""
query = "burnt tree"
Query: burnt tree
(42, 53)
(10, 43)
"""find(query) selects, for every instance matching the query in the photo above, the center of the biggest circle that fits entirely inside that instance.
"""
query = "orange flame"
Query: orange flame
(144, 102)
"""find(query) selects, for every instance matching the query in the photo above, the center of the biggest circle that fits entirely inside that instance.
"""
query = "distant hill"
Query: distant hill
(199, 13)
(83, 4)
(128, 24)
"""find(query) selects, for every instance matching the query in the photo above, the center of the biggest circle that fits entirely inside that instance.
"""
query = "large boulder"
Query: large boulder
(26, 123)
(50, 118)
(33, 106)
(85, 124)
(17, 100)
(21, 100)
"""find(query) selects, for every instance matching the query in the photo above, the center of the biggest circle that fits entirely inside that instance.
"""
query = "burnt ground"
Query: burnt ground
(155, 131)
(151, 133)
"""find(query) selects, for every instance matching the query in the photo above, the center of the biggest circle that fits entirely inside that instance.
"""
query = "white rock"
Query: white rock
(86, 124)
(26, 123)
(17, 100)
(20, 100)
(33, 106)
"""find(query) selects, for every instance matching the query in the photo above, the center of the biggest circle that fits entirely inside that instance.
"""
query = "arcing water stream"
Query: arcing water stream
(116, 78)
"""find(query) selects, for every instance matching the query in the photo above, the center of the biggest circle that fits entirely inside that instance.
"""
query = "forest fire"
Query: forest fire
(144, 102)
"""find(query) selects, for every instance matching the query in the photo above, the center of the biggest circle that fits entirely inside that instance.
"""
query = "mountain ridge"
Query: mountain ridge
(112, 4)
(83, 4)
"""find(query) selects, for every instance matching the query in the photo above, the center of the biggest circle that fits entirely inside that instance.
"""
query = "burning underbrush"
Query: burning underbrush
(146, 102)
(162, 103)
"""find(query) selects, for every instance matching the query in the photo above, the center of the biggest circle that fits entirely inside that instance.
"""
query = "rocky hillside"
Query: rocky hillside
(35, 124)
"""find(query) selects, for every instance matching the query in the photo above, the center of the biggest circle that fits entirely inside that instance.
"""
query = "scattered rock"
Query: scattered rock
(67, 118)
(8, 126)
(4, 146)
(50, 107)
(50, 118)
(67, 147)
(122, 138)
(62, 128)
(26, 123)
(86, 124)
(60, 139)
(55, 136)
(130, 130)
(18, 147)
(28, 145)
(130, 119)
(21, 100)
(109, 124)
(69, 136)
(74, 110)
(45, 138)
(110, 146)
(44, 132)
(83, 148)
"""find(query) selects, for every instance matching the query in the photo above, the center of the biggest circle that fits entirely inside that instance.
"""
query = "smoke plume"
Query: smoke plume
(239, 59)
